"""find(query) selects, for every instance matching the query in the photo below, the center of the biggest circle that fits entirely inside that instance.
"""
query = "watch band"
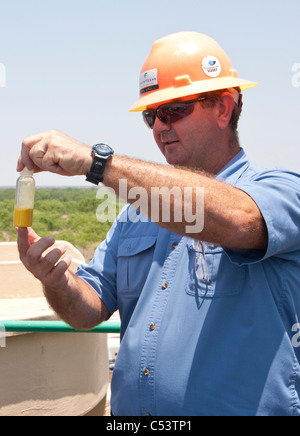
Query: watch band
(95, 174)
(100, 153)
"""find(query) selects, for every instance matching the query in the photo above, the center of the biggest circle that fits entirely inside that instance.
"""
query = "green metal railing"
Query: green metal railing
(56, 327)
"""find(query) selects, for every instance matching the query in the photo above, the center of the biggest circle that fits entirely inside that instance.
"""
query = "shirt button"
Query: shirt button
(146, 372)
(152, 326)
(165, 285)
(175, 245)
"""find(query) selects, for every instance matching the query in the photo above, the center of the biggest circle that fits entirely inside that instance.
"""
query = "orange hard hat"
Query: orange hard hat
(185, 64)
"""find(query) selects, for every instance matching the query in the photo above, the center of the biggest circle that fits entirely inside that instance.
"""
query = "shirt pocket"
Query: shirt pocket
(135, 257)
(211, 274)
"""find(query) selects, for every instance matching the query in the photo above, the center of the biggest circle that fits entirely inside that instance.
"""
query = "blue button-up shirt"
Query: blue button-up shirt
(216, 340)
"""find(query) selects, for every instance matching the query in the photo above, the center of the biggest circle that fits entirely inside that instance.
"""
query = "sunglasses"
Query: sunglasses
(171, 112)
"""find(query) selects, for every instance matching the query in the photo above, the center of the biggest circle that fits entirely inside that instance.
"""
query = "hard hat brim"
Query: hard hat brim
(165, 95)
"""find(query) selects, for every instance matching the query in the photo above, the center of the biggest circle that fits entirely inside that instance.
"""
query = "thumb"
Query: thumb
(26, 238)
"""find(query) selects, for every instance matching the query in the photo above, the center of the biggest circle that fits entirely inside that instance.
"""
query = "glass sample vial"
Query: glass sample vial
(24, 202)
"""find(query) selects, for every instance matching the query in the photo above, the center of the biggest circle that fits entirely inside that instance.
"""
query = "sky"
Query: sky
(74, 65)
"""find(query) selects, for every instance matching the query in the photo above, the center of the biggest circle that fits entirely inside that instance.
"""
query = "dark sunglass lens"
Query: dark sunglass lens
(172, 113)
(169, 113)
(149, 118)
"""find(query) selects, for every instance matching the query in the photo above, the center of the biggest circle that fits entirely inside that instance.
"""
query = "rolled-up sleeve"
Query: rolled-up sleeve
(277, 195)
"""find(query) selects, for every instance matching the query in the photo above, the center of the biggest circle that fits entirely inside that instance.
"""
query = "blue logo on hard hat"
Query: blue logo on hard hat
(211, 66)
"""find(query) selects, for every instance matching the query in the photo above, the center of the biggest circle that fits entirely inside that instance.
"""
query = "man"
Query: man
(209, 318)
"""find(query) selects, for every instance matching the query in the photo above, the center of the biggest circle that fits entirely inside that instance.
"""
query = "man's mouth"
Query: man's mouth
(170, 142)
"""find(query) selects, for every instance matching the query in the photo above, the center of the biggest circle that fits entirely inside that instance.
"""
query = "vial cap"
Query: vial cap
(27, 172)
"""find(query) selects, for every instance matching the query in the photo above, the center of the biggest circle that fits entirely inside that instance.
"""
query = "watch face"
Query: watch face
(103, 149)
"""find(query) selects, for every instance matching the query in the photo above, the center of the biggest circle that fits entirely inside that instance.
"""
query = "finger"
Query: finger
(23, 242)
(49, 260)
(34, 253)
(20, 165)
(59, 271)
(47, 156)
(53, 252)
(26, 238)
(31, 140)
(27, 144)
(25, 159)
(50, 161)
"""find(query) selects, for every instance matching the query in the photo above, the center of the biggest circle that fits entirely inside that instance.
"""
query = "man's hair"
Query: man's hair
(213, 97)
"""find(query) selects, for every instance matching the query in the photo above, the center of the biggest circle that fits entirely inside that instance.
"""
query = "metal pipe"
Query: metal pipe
(56, 327)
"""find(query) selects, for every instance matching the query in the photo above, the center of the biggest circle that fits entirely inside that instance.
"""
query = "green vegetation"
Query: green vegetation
(65, 213)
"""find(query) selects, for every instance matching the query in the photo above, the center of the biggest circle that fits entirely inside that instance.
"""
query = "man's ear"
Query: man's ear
(225, 109)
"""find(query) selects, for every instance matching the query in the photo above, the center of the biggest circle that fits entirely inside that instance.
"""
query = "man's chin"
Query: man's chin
(175, 161)
(173, 157)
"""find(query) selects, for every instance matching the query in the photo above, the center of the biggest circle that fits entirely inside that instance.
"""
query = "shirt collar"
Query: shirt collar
(234, 169)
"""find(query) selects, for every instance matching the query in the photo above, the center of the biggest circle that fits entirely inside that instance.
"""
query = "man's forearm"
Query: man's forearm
(231, 218)
(76, 303)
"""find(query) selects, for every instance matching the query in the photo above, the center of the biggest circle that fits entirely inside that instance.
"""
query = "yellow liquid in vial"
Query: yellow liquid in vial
(23, 217)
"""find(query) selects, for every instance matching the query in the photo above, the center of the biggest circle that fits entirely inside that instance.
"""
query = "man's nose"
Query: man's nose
(160, 127)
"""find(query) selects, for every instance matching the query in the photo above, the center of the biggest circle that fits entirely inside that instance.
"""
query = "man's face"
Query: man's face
(190, 142)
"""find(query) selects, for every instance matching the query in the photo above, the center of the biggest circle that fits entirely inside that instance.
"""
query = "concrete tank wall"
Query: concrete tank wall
(46, 374)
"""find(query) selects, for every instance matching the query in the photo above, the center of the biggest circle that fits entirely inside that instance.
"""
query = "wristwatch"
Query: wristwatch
(100, 153)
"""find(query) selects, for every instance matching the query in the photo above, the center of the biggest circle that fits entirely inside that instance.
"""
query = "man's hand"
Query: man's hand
(55, 152)
(69, 296)
(46, 263)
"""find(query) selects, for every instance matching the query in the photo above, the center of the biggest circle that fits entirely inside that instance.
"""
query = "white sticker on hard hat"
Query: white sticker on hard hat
(148, 81)
(211, 66)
